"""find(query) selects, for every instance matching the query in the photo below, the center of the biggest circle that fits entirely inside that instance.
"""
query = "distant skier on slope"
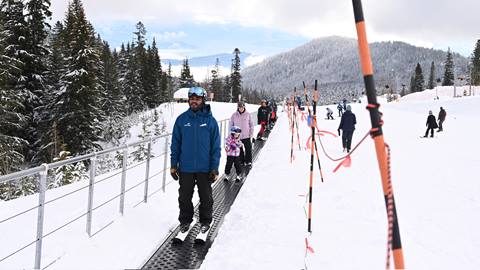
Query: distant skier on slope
(340, 109)
(441, 118)
(431, 124)
(263, 116)
(329, 114)
(347, 125)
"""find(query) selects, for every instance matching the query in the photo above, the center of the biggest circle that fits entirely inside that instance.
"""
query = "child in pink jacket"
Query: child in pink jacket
(233, 144)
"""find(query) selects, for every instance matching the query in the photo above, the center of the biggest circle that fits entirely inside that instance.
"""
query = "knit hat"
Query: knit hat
(349, 108)
(430, 112)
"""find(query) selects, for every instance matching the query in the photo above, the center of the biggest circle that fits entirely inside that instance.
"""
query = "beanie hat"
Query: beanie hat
(349, 108)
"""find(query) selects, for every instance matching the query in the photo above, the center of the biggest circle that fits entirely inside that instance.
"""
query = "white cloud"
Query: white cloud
(169, 36)
(253, 59)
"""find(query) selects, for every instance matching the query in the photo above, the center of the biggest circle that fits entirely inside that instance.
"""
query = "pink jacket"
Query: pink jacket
(243, 121)
(232, 146)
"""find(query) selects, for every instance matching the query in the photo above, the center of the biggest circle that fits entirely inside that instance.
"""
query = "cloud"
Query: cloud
(253, 59)
(169, 36)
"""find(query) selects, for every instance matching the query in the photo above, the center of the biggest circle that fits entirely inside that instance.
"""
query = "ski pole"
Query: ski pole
(310, 193)
(293, 129)
(377, 135)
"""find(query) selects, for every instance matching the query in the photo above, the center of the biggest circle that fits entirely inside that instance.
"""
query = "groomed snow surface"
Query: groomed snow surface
(435, 181)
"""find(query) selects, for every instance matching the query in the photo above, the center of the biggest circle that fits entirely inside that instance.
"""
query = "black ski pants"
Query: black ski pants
(235, 161)
(431, 133)
(246, 155)
(185, 193)
(347, 139)
(440, 125)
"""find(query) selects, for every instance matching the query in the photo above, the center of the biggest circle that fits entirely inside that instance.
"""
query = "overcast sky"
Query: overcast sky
(266, 27)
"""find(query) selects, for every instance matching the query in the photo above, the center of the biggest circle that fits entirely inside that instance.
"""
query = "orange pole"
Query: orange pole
(377, 133)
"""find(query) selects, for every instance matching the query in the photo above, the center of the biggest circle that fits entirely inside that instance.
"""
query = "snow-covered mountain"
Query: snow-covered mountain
(334, 62)
(225, 60)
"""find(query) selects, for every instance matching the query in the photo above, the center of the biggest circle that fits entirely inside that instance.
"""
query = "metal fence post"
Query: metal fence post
(147, 172)
(221, 132)
(165, 158)
(41, 212)
(93, 162)
(124, 178)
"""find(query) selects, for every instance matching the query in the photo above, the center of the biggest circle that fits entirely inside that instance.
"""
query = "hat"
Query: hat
(430, 112)
(240, 104)
(349, 108)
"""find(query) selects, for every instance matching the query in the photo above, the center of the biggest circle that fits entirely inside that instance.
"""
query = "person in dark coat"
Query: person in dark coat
(195, 157)
(441, 118)
(431, 124)
(340, 109)
(263, 116)
(347, 125)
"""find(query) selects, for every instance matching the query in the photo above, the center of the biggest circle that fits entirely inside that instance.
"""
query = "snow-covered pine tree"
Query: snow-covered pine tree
(431, 77)
(141, 152)
(63, 174)
(227, 90)
(448, 76)
(77, 112)
(419, 80)
(186, 79)
(12, 90)
(216, 85)
(475, 73)
(131, 82)
(170, 82)
(159, 127)
(235, 76)
(412, 84)
(112, 98)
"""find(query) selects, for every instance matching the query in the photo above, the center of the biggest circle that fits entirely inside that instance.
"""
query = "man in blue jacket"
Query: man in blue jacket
(347, 125)
(195, 157)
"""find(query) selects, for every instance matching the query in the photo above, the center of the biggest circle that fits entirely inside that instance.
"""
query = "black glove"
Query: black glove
(174, 173)
(213, 175)
(338, 132)
(253, 140)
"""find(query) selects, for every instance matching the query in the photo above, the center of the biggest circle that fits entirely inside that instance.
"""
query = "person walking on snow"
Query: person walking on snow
(340, 109)
(263, 116)
(347, 125)
(195, 157)
(233, 144)
(242, 119)
(329, 114)
(441, 118)
(431, 124)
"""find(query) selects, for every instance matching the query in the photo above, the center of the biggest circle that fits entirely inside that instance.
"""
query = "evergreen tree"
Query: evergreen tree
(112, 98)
(141, 152)
(216, 83)
(170, 82)
(448, 76)
(236, 77)
(186, 79)
(13, 92)
(131, 82)
(419, 83)
(77, 111)
(475, 73)
(412, 84)
(227, 90)
(431, 78)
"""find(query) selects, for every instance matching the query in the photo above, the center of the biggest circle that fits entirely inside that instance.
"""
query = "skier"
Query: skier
(242, 119)
(233, 144)
(263, 116)
(195, 157)
(431, 124)
(340, 109)
(329, 114)
(344, 104)
(347, 125)
(441, 118)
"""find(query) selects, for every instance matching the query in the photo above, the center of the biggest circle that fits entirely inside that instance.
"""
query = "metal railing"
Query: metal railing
(43, 170)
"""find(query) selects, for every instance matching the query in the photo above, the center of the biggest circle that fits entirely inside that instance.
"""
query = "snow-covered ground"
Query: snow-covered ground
(435, 185)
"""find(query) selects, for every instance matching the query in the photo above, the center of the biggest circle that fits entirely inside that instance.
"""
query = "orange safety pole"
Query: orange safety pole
(310, 189)
(377, 134)
(293, 123)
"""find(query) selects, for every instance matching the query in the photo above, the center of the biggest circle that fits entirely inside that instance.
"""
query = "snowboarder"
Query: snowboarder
(233, 144)
(242, 119)
(441, 118)
(195, 157)
(263, 116)
(431, 124)
(340, 109)
(347, 125)
(329, 114)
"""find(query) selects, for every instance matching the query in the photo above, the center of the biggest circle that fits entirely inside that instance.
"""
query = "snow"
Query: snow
(434, 180)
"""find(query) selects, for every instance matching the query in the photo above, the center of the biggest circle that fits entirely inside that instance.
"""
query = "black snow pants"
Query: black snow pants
(185, 193)
(246, 156)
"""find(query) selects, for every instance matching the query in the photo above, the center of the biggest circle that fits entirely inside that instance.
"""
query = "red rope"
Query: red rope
(389, 209)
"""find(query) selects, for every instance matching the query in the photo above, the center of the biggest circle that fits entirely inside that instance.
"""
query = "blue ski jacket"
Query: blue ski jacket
(195, 142)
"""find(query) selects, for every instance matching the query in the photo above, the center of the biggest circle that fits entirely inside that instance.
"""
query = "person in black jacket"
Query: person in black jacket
(263, 116)
(347, 125)
(441, 118)
(431, 124)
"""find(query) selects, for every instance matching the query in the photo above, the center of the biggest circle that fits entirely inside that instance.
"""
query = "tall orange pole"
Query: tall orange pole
(377, 133)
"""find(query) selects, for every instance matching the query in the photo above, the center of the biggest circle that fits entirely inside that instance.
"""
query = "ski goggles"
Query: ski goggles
(196, 91)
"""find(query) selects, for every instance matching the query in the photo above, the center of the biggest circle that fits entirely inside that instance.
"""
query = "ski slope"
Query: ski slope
(435, 185)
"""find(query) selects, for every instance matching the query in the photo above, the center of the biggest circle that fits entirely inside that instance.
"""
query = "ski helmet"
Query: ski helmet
(197, 91)
(240, 104)
(235, 130)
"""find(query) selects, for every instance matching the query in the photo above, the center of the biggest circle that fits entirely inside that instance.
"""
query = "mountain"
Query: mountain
(205, 61)
(334, 62)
